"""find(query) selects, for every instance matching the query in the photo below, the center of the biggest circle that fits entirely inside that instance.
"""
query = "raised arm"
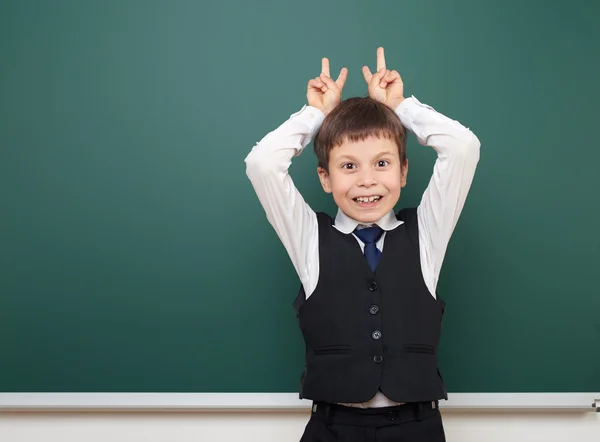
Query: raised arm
(267, 168)
(457, 157)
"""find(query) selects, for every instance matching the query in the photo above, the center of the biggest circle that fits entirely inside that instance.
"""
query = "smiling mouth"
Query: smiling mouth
(367, 199)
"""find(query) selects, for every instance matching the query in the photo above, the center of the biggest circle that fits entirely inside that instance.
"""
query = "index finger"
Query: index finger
(325, 66)
(380, 59)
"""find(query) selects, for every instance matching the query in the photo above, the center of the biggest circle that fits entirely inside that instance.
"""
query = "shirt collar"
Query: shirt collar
(346, 225)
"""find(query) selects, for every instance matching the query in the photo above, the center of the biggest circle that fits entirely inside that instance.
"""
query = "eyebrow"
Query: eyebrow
(351, 158)
(387, 152)
(347, 157)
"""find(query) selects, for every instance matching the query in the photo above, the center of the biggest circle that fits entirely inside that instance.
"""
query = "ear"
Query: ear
(404, 173)
(324, 178)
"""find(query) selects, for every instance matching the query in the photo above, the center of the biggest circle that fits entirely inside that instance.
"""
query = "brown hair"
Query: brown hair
(356, 119)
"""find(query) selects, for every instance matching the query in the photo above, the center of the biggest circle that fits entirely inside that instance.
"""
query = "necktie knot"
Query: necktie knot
(370, 235)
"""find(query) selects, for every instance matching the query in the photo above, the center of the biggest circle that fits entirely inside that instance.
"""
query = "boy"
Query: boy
(369, 314)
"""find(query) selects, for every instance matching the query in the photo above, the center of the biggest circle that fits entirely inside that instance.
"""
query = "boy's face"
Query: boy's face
(365, 178)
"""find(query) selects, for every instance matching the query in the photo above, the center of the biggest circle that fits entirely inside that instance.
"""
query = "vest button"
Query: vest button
(374, 309)
(372, 285)
(378, 359)
(376, 334)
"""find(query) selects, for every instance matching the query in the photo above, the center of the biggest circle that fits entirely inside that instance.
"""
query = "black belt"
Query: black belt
(374, 417)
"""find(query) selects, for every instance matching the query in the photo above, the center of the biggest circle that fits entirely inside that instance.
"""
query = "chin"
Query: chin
(367, 218)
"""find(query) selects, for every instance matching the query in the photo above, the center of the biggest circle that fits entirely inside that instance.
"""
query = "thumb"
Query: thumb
(328, 82)
(376, 79)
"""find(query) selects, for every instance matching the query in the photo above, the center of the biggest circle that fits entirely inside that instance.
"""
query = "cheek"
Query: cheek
(393, 182)
(340, 184)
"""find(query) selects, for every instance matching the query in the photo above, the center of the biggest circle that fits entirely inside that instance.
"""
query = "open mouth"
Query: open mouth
(367, 200)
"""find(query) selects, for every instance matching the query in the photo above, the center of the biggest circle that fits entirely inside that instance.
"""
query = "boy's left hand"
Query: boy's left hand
(384, 86)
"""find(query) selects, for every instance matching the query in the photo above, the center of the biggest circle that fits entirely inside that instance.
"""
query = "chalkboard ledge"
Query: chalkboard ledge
(222, 402)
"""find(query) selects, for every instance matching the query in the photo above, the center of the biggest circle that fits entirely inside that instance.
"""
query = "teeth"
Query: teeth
(368, 199)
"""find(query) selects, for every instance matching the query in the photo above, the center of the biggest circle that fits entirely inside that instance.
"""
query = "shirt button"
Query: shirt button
(374, 309)
(372, 285)
(378, 359)
(376, 334)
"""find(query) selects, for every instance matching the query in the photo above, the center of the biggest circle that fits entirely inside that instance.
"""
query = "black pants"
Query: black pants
(420, 422)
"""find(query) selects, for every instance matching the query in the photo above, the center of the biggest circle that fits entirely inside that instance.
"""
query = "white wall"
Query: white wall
(277, 427)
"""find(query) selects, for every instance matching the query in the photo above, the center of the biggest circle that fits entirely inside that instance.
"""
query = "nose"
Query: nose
(366, 178)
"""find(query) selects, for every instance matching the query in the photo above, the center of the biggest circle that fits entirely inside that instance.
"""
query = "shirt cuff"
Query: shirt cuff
(407, 109)
(311, 118)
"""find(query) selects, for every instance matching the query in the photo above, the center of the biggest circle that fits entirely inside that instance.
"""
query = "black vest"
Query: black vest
(368, 331)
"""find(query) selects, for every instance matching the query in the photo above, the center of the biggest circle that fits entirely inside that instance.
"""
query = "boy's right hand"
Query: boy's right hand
(324, 93)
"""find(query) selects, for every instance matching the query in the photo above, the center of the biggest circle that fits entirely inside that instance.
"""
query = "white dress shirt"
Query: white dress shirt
(296, 223)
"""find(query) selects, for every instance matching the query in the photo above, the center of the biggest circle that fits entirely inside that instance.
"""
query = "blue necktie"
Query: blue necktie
(370, 235)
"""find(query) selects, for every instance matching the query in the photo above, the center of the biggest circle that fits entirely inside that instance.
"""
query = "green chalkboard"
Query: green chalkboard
(134, 255)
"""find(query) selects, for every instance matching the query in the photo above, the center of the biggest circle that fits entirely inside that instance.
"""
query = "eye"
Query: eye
(348, 166)
(382, 163)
